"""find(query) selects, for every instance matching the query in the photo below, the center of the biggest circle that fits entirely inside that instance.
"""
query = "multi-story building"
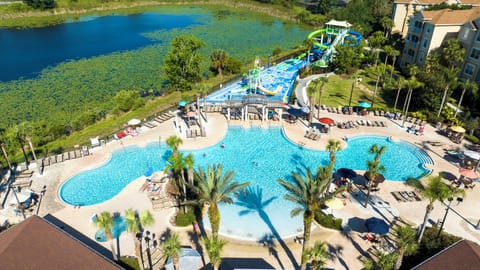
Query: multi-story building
(469, 36)
(428, 30)
(404, 9)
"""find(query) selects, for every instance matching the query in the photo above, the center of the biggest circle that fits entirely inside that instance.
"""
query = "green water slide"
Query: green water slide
(315, 42)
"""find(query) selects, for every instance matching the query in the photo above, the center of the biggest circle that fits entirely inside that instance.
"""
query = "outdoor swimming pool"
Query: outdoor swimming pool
(263, 211)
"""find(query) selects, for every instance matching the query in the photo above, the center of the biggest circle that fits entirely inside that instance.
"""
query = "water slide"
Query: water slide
(315, 41)
(268, 92)
(357, 36)
(331, 49)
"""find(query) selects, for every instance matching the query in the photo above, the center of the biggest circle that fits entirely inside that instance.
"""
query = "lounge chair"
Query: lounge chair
(369, 123)
(95, 141)
(382, 123)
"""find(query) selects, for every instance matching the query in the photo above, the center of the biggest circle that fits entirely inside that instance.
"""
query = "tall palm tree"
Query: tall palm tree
(189, 161)
(467, 85)
(451, 81)
(323, 81)
(399, 83)
(374, 168)
(135, 225)
(213, 187)
(378, 70)
(317, 256)
(105, 223)
(333, 146)
(214, 247)
(378, 151)
(176, 164)
(174, 143)
(387, 25)
(434, 190)
(406, 242)
(172, 248)
(219, 59)
(412, 83)
(394, 54)
(312, 91)
(307, 193)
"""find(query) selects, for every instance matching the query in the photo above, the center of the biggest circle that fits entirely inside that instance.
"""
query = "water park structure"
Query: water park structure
(326, 39)
(266, 88)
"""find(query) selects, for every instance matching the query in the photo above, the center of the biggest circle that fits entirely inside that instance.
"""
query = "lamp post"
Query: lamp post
(445, 216)
(354, 83)
(149, 256)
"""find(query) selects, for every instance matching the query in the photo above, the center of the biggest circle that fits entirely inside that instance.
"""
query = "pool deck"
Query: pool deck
(346, 249)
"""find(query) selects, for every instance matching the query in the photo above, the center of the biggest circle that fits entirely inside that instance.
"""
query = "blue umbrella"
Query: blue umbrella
(182, 103)
(149, 172)
(364, 104)
(346, 172)
(377, 226)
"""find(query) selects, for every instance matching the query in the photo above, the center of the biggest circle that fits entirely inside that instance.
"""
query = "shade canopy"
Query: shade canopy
(334, 203)
(379, 178)
(326, 121)
(189, 259)
(468, 173)
(457, 129)
(182, 103)
(346, 172)
(364, 104)
(377, 226)
(472, 154)
(134, 122)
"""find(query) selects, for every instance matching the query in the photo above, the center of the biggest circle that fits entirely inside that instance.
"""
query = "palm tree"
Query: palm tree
(219, 59)
(385, 261)
(387, 25)
(174, 142)
(378, 151)
(135, 225)
(378, 71)
(412, 83)
(323, 81)
(212, 188)
(399, 83)
(176, 164)
(172, 248)
(214, 247)
(189, 161)
(312, 90)
(467, 85)
(394, 54)
(406, 242)
(105, 222)
(333, 146)
(435, 190)
(374, 168)
(451, 81)
(317, 256)
(308, 194)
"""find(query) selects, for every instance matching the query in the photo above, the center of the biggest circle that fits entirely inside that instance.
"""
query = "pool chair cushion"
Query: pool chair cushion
(95, 141)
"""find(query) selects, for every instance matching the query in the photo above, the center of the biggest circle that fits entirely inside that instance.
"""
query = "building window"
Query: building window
(418, 24)
(428, 29)
(425, 43)
(475, 53)
(469, 68)
(478, 36)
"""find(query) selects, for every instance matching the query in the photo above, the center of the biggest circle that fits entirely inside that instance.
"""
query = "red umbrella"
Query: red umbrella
(326, 121)
(468, 173)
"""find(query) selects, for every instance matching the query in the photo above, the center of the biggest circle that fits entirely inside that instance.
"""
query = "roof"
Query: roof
(245, 264)
(37, 244)
(435, 2)
(463, 255)
(451, 17)
(338, 23)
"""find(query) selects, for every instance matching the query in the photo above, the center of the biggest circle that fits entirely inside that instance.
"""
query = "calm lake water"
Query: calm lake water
(24, 53)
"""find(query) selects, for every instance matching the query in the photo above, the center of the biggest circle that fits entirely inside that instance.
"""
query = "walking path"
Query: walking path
(346, 248)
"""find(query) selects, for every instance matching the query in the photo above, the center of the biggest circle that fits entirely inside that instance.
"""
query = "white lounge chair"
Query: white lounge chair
(95, 141)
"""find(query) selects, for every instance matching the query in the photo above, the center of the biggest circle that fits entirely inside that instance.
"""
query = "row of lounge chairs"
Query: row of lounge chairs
(213, 109)
(193, 133)
(313, 134)
(163, 117)
(23, 179)
(371, 123)
(77, 153)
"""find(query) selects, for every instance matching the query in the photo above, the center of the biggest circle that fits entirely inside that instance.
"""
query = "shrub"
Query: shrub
(129, 263)
(472, 139)
(185, 219)
(328, 221)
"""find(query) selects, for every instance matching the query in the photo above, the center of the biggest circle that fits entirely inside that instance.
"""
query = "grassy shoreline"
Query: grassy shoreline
(35, 18)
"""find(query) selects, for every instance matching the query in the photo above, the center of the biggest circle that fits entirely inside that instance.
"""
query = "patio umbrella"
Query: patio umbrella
(134, 122)
(346, 172)
(379, 178)
(377, 226)
(149, 172)
(182, 103)
(458, 129)
(472, 154)
(364, 104)
(189, 259)
(326, 121)
(295, 112)
(334, 203)
(468, 173)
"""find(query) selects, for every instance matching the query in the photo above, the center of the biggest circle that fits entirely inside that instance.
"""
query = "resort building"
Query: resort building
(428, 30)
(404, 9)
(469, 36)
(464, 254)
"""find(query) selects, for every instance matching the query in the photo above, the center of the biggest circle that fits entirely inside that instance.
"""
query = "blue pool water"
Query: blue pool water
(119, 227)
(263, 210)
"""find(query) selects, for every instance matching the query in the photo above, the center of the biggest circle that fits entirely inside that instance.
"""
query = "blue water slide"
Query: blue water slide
(357, 35)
